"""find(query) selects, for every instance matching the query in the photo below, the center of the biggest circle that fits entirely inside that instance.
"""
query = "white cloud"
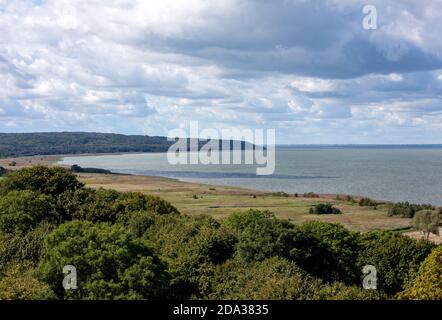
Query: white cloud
(90, 64)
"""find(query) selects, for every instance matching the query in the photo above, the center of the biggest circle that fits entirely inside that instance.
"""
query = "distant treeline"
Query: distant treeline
(29, 144)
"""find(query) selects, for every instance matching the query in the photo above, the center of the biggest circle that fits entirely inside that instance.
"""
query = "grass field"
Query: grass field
(220, 201)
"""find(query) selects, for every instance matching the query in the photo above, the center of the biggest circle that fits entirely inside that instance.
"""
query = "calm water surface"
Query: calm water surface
(397, 174)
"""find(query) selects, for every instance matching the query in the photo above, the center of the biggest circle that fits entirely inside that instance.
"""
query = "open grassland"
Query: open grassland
(221, 201)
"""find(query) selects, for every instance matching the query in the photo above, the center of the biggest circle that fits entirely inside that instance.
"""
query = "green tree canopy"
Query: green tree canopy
(325, 250)
(21, 211)
(260, 235)
(396, 257)
(51, 181)
(111, 263)
(427, 221)
(190, 246)
(428, 283)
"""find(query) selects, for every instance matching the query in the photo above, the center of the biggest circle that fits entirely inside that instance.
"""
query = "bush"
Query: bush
(407, 210)
(428, 283)
(324, 208)
(310, 195)
(260, 235)
(396, 257)
(367, 202)
(21, 211)
(110, 262)
(51, 181)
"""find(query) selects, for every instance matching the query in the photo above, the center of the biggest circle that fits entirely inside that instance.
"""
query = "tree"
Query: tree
(51, 181)
(18, 283)
(103, 205)
(324, 208)
(21, 211)
(111, 263)
(428, 283)
(191, 247)
(23, 248)
(397, 258)
(89, 204)
(427, 221)
(260, 235)
(325, 250)
(270, 279)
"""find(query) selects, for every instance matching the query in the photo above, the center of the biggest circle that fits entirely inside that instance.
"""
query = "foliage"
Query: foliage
(111, 263)
(428, 283)
(407, 210)
(104, 205)
(367, 202)
(260, 235)
(396, 257)
(270, 279)
(324, 208)
(18, 283)
(427, 221)
(325, 250)
(50, 181)
(310, 195)
(190, 246)
(20, 211)
(88, 204)
(21, 248)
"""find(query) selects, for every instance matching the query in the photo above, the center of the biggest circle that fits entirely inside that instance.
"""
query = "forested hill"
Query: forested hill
(45, 143)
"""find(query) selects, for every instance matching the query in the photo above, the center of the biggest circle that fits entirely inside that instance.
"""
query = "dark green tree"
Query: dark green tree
(111, 263)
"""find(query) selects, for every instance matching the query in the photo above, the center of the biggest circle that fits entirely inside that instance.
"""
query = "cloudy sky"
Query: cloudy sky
(306, 68)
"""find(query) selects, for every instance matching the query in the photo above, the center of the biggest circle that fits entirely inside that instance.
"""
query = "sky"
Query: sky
(308, 69)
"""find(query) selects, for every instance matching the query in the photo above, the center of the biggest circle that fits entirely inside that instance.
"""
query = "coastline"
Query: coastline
(220, 201)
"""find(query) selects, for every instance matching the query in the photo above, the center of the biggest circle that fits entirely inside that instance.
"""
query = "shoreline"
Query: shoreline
(219, 201)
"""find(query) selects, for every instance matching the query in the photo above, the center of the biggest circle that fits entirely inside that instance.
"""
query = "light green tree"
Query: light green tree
(427, 221)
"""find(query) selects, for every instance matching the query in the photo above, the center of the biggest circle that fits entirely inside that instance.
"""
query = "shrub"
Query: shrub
(21, 211)
(428, 283)
(281, 194)
(407, 210)
(310, 195)
(110, 262)
(324, 208)
(367, 202)
(51, 181)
